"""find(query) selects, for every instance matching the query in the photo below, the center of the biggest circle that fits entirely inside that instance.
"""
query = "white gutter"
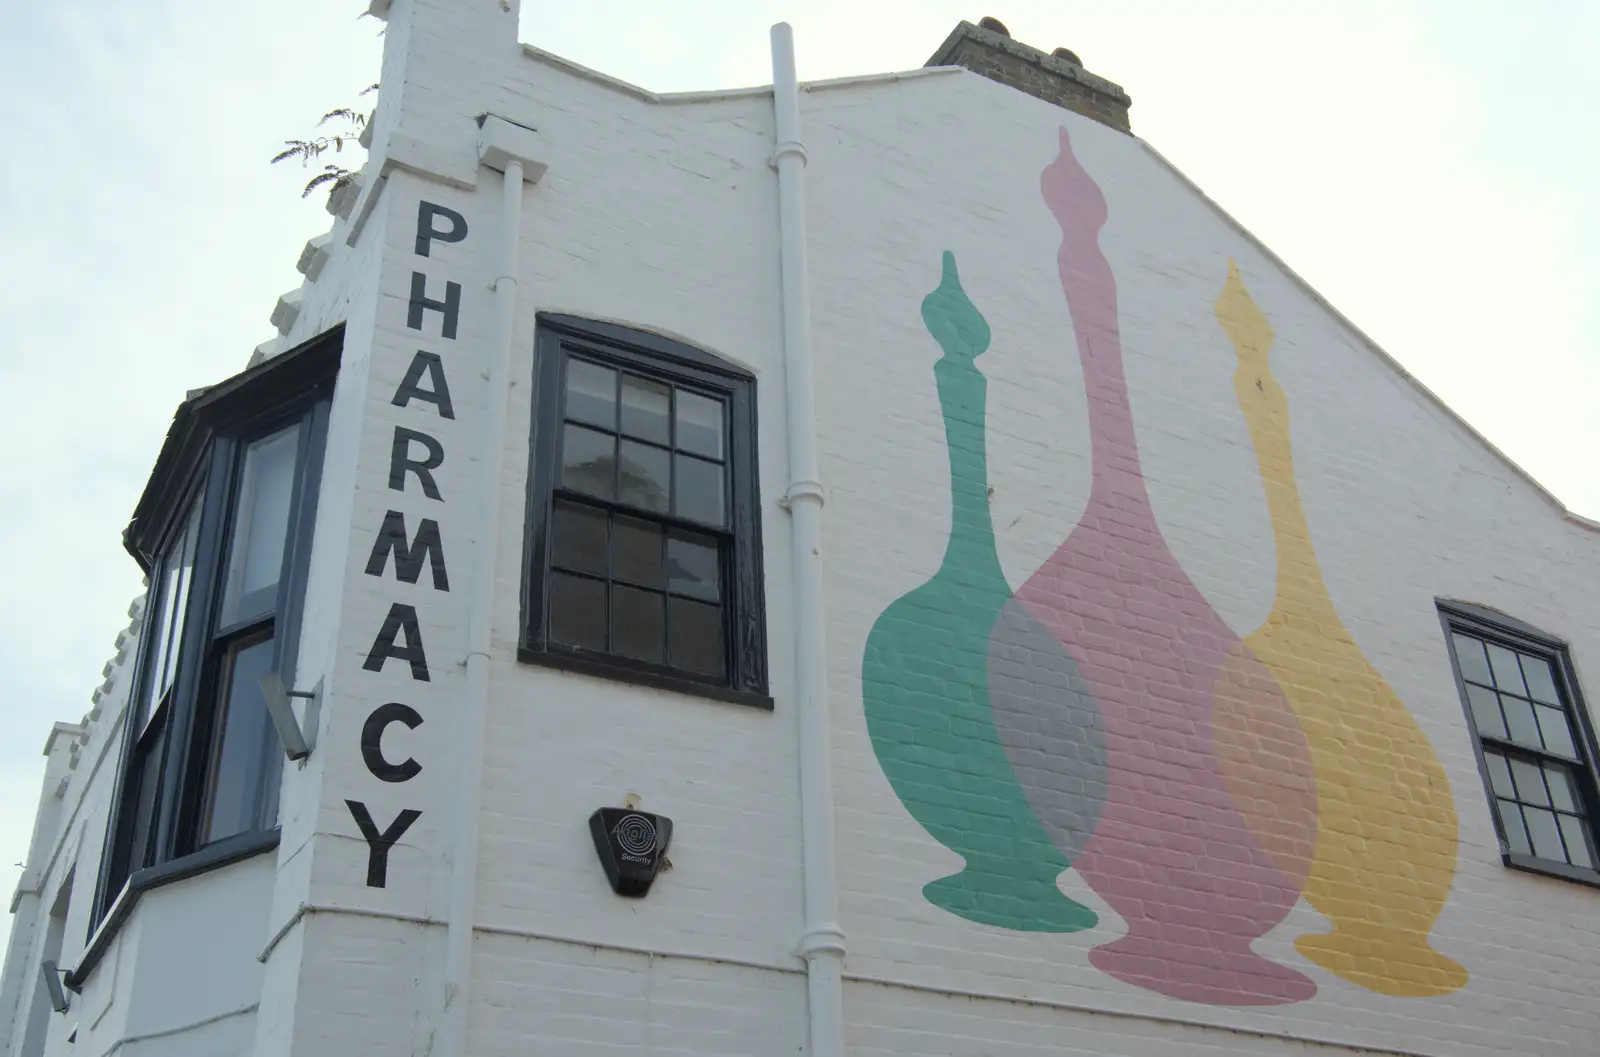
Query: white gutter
(822, 941)
(507, 147)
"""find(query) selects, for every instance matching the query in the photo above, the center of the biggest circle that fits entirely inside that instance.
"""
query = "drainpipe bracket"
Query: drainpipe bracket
(805, 488)
(827, 938)
(786, 147)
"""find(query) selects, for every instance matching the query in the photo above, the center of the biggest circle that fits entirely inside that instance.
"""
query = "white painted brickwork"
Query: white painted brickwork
(662, 214)
(1404, 505)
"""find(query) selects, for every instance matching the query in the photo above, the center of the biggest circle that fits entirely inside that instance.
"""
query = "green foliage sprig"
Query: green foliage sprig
(348, 126)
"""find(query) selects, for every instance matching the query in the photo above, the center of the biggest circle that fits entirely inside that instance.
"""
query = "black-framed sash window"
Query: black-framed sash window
(643, 535)
(241, 762)
(1534, 741)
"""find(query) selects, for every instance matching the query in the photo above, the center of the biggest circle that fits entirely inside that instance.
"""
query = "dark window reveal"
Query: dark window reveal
(644, 538)
(224, 531)
(1534, 741)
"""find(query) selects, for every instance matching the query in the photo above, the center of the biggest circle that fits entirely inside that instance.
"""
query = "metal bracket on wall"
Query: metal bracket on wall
(298, 737)
(51, 976)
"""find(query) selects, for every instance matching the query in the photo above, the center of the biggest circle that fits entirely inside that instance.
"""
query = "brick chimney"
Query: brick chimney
(1058, 77)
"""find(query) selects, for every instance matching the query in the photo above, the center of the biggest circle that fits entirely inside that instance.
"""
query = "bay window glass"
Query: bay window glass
(245, 758)
(224, 530)
(261, 527)
(165, 621)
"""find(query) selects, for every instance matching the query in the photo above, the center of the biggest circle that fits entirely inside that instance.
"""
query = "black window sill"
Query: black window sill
(222, 853)
(1549, 868)
(620, 672)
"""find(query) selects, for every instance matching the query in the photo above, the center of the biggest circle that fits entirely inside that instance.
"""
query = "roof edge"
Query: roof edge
(966, 29)
(1438, 402)
(616, 84)
(312, 364)
(63, 730)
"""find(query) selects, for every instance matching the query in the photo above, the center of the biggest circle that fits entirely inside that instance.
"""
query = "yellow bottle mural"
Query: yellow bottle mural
(1386, 841)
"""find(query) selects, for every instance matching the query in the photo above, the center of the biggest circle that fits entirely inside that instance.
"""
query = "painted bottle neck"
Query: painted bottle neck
(1092, 299)
(1299, 573)
(963, 394)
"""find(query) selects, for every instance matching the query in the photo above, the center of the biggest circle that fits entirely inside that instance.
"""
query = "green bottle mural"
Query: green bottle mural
(925, 677)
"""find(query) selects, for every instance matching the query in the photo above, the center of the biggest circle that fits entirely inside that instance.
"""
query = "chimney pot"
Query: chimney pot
(1069, 55)
(994, 25)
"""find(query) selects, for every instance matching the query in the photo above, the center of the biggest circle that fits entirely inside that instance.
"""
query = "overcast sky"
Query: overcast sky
(1432, 166)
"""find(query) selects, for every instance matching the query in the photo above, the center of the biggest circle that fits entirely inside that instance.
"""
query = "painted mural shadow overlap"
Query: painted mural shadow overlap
(1385, 854)
(1173, 854)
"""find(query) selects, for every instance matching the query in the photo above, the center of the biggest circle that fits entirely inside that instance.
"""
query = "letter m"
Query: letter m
(408, 555)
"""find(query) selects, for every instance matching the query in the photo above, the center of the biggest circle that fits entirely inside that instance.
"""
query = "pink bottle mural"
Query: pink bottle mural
(1209, 822)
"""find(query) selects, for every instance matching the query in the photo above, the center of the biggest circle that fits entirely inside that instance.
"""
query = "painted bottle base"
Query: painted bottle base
(1380, 964)
(1217, 976)
(1005, 902)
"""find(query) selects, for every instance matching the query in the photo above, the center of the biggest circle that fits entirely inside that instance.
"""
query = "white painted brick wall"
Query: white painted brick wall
(662, 215)
(1381, 470)
(69, 854)
(590, 1001)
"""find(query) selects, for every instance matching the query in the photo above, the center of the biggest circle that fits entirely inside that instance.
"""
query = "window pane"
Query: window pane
(260, 527)
(158, 619)
(646, 409)
(243, 744)
(1499, 774)
(1511, 819)
(1507, 673)
(646, 447)
(1562, 793)
(578, 611)
(588, 461)
(699, 424)
(692, 566)
(1469, 654)
(180, 600)
(636, 551)
(645, 479)
(696, 637)
(638, 627)
(699, 495)
(1519, 719)
(147, 774)
(1486, 710)
(180, 597)
(1557, 735)
(1544, 834)
(171, 607)
(1541, 683)
(1530, 783)
(1578, 850)
(579, 538)
(591, 393)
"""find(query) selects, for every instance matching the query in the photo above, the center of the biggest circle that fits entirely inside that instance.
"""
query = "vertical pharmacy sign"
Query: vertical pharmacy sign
(407, 543)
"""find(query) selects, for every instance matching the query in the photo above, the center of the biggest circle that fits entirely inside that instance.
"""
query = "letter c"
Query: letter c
(372, 742)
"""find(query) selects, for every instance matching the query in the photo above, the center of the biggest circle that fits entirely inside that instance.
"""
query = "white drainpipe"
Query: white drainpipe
(822, 941)
(469, 783)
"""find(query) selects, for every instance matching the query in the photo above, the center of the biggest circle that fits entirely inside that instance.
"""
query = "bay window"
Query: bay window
(223, 530)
